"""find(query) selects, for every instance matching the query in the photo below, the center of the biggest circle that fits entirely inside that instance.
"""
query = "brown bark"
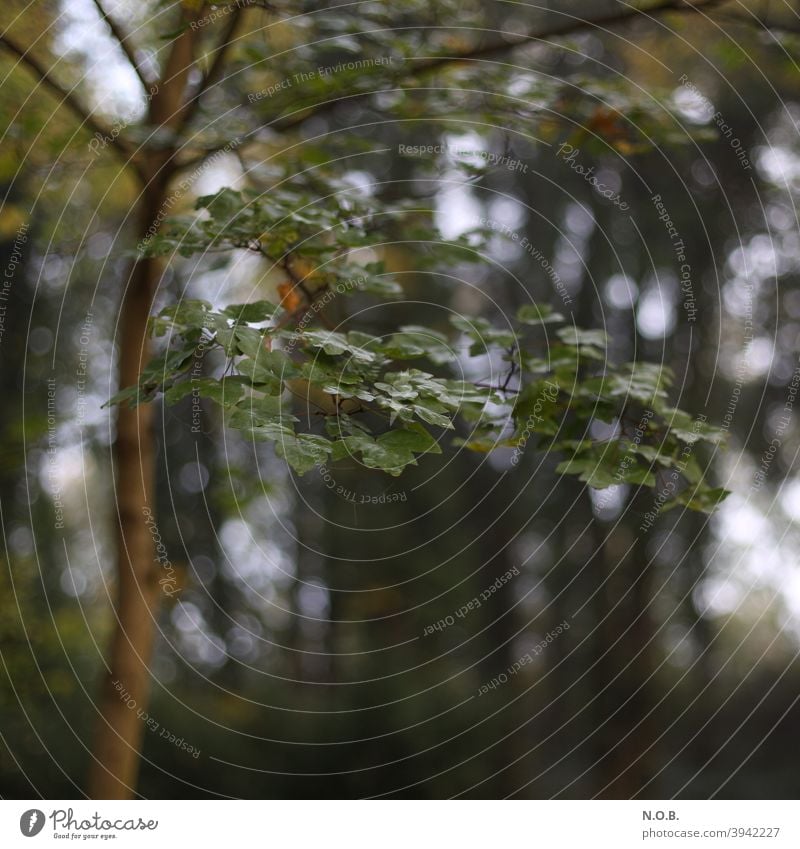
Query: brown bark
(125, 686)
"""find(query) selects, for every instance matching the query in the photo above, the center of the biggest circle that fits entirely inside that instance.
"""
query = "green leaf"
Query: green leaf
(432, 417)
(382, 453)
(374, 285)
(222, 205)
(225, 392)
(690, 430)
(412, 437)
(704, 500)
(166, 366)
(249, 341)
(272, 431)
(187, 313)
(260, 373)
(538, 314)
(413, 342)
(583, 338)
(335, 344)
(643, 382)
(590, 470)
(128, 395)
(322, 373)
(484, 335)
(303, 451)
(255, 311)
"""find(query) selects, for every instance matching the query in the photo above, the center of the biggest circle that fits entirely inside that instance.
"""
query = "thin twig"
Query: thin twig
(505, 389)
(123, 39)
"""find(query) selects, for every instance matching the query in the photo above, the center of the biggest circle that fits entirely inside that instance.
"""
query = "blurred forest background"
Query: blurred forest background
(294, 656)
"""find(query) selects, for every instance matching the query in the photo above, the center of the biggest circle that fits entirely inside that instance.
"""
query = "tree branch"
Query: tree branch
(573, 24)
(122, 38)
(67, 96)
(567, 27)
(214, 72)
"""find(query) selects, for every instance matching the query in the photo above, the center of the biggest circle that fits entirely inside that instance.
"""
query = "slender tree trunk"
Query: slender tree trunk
(125, 686)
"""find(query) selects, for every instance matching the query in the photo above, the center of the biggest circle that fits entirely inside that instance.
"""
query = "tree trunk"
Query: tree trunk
(125, 685)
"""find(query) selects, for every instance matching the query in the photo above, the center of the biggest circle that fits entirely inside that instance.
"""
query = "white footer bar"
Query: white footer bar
(401, 824)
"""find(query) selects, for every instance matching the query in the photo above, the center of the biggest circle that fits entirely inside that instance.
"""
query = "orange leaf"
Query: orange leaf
(291, 299)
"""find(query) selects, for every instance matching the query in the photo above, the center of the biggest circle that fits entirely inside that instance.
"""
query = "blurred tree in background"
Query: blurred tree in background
(636, 171)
